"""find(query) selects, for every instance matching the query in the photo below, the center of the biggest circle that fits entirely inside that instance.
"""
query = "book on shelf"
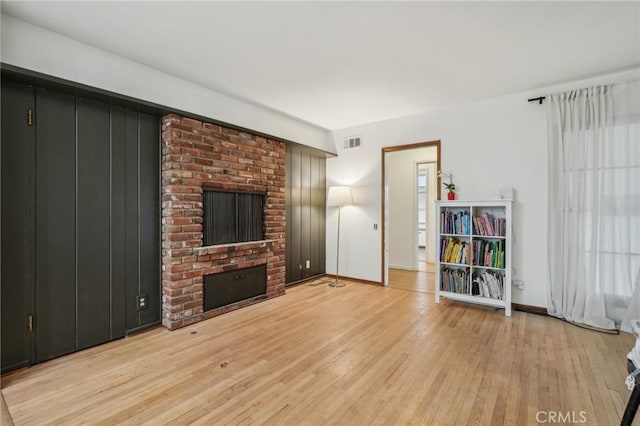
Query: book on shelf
(455, 222)
(488, 253)
(488, 225)
(488, 222)
(455, 281)
(489, 284)
(453, 250)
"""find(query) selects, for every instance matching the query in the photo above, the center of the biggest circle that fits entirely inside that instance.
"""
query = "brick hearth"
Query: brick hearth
(194, 154)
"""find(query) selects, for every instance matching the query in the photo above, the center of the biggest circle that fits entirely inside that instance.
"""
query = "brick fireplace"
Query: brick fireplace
(197, 154)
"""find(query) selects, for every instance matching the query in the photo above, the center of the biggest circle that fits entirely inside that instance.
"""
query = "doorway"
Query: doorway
(410, 186)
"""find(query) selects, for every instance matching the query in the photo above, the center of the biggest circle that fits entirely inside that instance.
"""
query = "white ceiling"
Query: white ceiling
(340, 64)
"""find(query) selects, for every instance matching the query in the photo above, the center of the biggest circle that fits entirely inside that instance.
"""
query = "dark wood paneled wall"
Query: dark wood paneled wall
(80, 222)
(55, 208)
(148, 220)
(306, 201)
(17, 226)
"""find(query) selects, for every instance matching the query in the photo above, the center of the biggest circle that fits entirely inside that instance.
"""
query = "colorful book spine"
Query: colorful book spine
(455, 222)
(454, 251)
(487, 225)
(455, 281)
(488, 253)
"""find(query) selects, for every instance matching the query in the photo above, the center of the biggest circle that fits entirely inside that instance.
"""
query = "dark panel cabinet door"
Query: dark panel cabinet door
(294, 230)
(93, 212)
(80, 222)
(287, 230)
(149, 223)
(317, 215)
(55, 224)
(305, 216)
(17, 227)
(142, 217)
(305, 209)
(117, 227)
(131, 214)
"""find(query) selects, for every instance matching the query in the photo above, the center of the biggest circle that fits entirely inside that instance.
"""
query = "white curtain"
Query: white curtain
(594, 205)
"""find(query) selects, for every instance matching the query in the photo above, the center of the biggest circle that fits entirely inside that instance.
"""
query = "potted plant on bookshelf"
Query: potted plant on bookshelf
(451, 187)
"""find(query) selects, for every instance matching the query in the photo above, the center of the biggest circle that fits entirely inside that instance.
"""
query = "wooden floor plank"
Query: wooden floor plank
(321, 355)
(5, 417)
(422, 280)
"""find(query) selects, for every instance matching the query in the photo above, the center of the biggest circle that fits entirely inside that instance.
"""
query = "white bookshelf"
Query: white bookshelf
(476, 278)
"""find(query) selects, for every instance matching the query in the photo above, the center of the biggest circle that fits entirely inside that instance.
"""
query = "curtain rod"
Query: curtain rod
(539, 99)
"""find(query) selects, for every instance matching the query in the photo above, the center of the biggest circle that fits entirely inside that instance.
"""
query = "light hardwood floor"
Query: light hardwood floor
(5, 418)
(422, 280)
(357, 355)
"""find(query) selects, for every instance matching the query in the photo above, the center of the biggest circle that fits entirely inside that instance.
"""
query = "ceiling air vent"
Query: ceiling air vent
(352, 142)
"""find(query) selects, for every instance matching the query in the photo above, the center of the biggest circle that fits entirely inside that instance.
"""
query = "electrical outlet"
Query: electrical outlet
(518, 284)
(142, 302)
(308, 264)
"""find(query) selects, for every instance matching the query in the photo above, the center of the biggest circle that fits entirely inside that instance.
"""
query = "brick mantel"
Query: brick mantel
(197, 154)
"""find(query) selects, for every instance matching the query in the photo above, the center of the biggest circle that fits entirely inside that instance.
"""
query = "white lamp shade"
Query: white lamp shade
(339, 196)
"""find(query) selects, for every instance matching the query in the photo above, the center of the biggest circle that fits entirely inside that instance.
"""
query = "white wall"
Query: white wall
(432, 195)
(485, 145)
(401, 183)
(34, 48)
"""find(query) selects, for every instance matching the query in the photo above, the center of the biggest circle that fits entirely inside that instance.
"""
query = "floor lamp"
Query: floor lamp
(339, 196)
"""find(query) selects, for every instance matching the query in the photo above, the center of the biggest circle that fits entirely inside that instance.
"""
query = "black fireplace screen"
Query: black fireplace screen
(234, 286)
(232, 217)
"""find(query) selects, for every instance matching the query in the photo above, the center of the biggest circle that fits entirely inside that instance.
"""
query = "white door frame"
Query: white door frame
(385, 199)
